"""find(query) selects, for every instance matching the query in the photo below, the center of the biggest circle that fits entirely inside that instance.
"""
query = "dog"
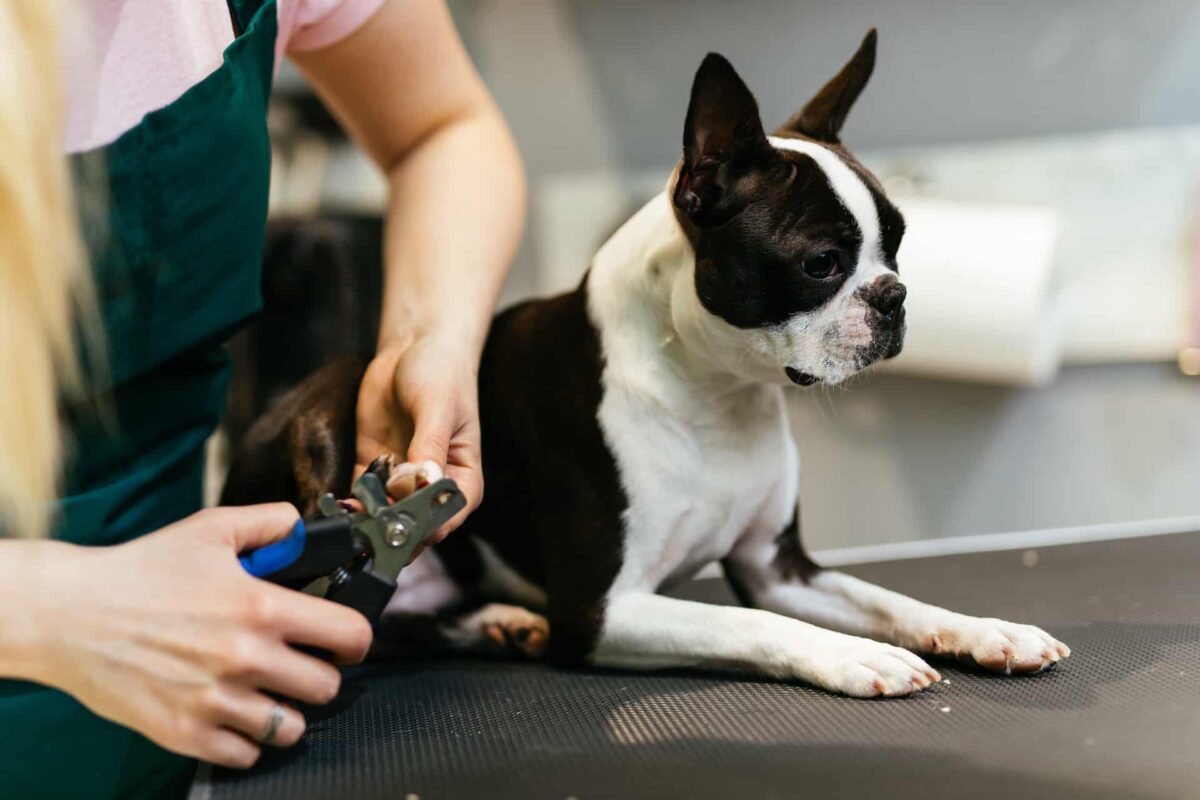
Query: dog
(634, 429)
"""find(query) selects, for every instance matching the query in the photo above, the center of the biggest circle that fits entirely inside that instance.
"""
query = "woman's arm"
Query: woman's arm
(405, 88)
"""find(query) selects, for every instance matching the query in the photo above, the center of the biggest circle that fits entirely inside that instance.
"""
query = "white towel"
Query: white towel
(982, 304)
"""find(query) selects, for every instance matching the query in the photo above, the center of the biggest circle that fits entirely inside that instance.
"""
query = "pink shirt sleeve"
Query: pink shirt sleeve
(312, 24)
(125, 58)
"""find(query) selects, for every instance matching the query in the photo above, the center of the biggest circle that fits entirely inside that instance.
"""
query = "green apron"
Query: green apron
(177, 269)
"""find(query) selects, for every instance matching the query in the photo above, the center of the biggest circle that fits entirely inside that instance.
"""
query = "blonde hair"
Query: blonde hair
(44, 281)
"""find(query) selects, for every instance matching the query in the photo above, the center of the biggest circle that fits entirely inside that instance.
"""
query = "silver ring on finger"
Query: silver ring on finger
(273, 722)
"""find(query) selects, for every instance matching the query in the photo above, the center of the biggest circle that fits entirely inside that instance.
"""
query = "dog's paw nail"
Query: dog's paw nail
(381, 467)
(496, 634)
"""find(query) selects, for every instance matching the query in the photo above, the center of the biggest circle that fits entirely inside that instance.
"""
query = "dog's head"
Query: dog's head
(795, 242)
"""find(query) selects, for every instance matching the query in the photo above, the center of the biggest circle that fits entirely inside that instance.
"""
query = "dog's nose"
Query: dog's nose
(887, 297)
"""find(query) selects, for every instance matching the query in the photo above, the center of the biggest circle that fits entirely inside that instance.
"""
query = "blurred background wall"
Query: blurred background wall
(596, 92)
(604, 84)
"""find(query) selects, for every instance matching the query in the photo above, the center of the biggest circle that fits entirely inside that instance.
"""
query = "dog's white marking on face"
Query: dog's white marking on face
(849, 188)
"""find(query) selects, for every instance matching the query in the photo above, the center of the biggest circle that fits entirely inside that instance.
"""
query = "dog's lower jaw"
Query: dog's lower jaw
(800, 378)
(895, 343)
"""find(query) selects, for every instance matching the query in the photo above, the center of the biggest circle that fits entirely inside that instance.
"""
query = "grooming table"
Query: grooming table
(1119, 719)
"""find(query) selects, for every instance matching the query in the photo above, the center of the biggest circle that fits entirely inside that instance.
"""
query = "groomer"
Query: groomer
(132, 639)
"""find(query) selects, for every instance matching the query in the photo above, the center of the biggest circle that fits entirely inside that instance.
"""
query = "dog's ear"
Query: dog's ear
(723, 140)
(822, 118)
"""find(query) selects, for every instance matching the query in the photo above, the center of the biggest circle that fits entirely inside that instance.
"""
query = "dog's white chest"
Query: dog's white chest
(696, 487)
(703, 456)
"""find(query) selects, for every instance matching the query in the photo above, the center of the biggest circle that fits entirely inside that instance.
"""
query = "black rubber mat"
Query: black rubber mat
(1119, 719)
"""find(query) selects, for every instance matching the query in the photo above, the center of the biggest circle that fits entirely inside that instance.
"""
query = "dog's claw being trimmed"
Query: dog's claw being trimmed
(382, 467)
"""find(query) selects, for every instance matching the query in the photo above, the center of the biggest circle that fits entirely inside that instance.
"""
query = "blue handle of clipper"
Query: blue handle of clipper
(278, 555)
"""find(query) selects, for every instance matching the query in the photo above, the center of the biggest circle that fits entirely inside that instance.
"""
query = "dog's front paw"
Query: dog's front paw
(865, 668)
(994, 644)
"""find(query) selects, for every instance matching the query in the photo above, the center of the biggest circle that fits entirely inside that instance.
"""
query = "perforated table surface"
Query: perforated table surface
(1119, 719)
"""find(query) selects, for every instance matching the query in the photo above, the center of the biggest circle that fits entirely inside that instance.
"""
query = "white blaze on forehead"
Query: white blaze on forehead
(845, 184)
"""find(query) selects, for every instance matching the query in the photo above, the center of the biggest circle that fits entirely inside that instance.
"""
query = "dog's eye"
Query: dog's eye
(823, 265)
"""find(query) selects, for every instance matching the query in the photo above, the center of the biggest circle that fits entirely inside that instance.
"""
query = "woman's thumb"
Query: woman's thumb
(251, 527)
(433, 427)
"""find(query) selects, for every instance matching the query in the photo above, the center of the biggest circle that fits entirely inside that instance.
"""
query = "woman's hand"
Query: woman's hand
(418, 400)
(168, 635)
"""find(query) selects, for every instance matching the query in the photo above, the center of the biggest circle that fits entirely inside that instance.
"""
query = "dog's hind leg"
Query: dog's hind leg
(499, 629)
(649, 631)
(775, 574)
(493, 629)
(434, 610)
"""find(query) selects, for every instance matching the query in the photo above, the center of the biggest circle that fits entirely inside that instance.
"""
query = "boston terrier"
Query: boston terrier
(635, 429)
